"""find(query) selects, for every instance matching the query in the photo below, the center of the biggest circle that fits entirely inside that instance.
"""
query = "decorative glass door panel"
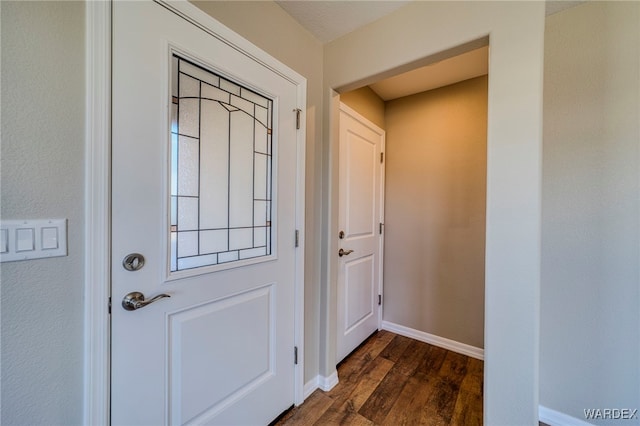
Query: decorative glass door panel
(221, 152)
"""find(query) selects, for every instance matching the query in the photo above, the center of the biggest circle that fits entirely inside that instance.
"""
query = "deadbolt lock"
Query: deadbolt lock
(133, 262)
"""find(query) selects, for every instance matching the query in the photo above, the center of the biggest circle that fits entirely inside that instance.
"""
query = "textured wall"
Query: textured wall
(42, 177)
(435, 211)
(586, 323)
(590, 301)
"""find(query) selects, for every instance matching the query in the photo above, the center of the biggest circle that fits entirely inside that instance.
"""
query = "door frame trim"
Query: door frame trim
(97, 279)
(97, 276)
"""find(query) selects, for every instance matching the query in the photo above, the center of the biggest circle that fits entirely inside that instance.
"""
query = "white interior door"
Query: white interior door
(361, 192)
(204, 188)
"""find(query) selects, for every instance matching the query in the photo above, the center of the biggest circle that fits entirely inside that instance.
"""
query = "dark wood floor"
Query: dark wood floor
(394, 380)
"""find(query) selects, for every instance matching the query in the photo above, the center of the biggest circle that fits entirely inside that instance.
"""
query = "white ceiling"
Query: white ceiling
(328, 20)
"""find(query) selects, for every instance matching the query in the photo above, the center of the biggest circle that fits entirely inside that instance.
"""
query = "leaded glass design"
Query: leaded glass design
(221, 152)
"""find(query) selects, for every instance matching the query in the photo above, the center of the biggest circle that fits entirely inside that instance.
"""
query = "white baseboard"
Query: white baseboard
(432, 339)
(310, 387)
(556, 418)
(328, 383)
(320, 382)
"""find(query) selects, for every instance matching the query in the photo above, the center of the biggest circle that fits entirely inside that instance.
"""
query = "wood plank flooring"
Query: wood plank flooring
(394, 380)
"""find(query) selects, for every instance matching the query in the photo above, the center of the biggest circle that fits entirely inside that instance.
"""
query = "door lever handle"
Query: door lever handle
(135, 300)
(342, 252)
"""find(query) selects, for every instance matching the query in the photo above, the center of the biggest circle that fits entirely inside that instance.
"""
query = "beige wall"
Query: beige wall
(435, 211)
(590, 301)
(414, 34)
(366, 102)
(42, 171)
(590, 240)
(269, 27)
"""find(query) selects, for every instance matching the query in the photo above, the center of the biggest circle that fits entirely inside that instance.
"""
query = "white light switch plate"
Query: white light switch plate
(32, 239)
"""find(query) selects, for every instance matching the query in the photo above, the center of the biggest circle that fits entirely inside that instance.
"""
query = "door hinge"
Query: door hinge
(109, 306)
(382, 157)
(295, 355)
(379, 299)
(297, 111)
(297, 237)
(380, 229)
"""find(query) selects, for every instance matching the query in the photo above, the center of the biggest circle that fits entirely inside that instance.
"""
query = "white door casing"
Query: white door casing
(360, 221)
(220, 350)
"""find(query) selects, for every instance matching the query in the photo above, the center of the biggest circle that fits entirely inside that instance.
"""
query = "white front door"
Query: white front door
(361, 195)
(205, 155)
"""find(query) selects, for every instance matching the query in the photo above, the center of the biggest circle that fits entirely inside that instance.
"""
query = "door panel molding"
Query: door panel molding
(215, 314)
(354, 317)
(97, 216)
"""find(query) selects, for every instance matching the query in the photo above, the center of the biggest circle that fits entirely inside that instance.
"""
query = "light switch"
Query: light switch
(4, 240)
(49, 238)
(32, 239)
(25, 240)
